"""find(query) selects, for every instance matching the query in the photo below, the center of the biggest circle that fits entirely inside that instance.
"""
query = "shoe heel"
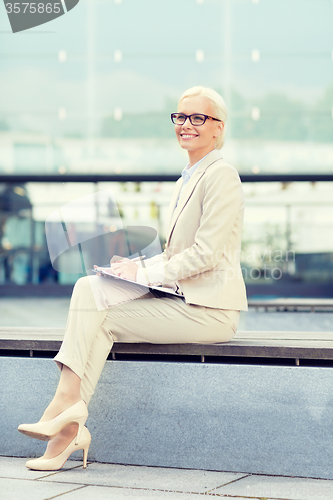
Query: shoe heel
(85, 455)
(81, 422)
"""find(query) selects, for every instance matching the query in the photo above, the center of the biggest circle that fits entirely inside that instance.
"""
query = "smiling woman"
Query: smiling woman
(200, 262)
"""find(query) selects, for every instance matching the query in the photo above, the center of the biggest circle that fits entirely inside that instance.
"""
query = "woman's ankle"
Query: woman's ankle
(65, 398)
(59, 404)
(60, 442)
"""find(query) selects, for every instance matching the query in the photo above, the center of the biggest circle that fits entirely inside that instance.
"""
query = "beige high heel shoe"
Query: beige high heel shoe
(76, 414)
(56, 463)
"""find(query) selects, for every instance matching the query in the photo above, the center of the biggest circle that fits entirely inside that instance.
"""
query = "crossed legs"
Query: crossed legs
(90, 334)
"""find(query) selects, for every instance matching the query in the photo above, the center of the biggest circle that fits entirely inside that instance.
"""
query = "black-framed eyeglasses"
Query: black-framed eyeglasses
(196, 119)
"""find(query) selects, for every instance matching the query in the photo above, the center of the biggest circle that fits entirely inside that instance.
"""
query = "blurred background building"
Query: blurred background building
(92, 91)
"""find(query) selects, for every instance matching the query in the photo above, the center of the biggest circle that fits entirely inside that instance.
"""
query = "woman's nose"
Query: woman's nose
(187, 122)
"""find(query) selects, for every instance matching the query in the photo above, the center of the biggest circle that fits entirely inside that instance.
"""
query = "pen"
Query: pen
(138, 258)
(132, 260)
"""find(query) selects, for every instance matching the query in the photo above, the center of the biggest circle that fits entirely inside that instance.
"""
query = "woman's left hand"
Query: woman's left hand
(125, 268)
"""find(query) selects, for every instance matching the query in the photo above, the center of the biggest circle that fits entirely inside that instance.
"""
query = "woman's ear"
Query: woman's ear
(220, 127)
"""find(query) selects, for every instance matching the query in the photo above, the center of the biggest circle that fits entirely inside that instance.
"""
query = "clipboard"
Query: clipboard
(170, 291)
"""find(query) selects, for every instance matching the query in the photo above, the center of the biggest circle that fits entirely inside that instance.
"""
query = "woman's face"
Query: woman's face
(198, 140)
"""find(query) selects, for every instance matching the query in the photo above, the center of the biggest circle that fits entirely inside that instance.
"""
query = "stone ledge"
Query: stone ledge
(292, 345)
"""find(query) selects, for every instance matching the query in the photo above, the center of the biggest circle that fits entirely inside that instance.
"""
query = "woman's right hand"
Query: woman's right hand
(116, 258)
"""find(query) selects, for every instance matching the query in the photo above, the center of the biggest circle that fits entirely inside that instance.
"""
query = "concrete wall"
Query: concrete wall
(241, 418)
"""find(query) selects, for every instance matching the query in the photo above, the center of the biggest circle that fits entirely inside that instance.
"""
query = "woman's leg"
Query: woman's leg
(84, 334)
(169, 320)
(67, 394)
(83, 327)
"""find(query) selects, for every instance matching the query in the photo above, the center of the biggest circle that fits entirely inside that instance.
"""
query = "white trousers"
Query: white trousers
(90, 332)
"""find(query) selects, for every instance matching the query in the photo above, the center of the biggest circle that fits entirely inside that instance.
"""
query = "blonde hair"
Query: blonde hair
(219, 107)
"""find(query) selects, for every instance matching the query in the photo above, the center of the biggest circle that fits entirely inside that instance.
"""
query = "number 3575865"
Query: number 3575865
(33, 7)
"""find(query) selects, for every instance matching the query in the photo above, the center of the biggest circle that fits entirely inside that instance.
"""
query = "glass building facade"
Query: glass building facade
(91, 92)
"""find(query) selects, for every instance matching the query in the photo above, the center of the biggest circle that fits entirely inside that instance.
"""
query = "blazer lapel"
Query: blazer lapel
(188, 190)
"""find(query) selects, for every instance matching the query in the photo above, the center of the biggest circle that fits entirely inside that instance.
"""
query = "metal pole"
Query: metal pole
(91, 112)
(227, 77)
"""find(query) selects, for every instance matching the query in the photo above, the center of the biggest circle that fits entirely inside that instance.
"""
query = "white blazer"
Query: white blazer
(203, 241)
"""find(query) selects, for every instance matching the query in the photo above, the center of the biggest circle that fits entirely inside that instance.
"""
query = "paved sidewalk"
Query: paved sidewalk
(111, 481)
